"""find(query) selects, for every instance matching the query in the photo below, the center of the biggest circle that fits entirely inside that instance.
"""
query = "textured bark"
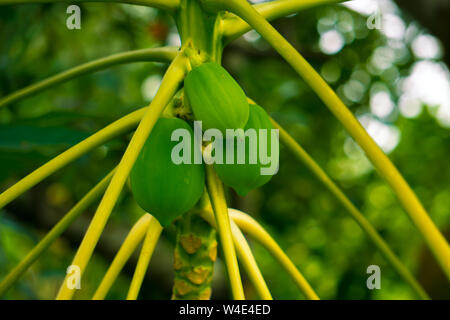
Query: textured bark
(194, 256)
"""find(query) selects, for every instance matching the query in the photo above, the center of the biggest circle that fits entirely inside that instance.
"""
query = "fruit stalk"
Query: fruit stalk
(200, 32)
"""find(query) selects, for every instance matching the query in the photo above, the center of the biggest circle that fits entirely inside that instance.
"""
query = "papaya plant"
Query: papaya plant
(195, 87)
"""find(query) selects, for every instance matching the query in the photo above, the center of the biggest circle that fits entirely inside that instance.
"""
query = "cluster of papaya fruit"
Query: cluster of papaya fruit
(167, 190)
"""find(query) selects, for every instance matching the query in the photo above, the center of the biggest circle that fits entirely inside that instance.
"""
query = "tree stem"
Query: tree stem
(194, 257)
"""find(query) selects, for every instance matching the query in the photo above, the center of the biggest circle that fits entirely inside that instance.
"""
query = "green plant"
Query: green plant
(205, 27)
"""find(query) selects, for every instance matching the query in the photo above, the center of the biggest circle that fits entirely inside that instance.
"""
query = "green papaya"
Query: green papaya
(160, 187)
(247, 176)
(216, 98)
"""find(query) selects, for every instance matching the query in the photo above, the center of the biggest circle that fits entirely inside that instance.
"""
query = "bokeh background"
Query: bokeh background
(395, 79)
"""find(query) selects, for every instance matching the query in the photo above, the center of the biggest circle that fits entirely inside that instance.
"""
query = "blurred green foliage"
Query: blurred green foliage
(326, 245)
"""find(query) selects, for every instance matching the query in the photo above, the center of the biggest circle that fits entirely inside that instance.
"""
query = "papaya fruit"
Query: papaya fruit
(247, 176)
(216, 98)
(160, 187)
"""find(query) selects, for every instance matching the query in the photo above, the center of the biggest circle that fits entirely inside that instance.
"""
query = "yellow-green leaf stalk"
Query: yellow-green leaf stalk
(296, 149)
(111, 131)
(174, 76)
(219, 205)
(169, 5)
(431, 234)
(129, 245)
(151, 239)
(243, 250)
(233, 26)
(14, 275)
(250, 226)
(164, 54)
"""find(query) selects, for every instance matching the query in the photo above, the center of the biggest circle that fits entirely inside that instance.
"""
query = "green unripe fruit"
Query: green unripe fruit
(161, 187)
(245, 177)
(216, 98)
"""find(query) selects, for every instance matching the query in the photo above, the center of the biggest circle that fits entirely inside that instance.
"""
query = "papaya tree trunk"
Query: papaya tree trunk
(194, 257)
